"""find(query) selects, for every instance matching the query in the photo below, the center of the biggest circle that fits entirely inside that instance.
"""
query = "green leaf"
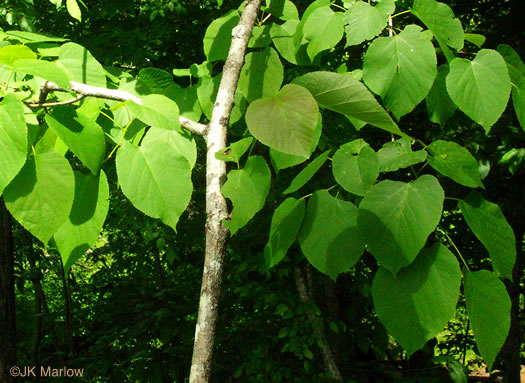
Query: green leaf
(355, 173)
(187, 100)
(41, 195)
(416, 304)
(29, 37)
(81, 65)
(13, 139)
(364, 22)
(234, 152)
(11, 53)
(157, 79)
(83, 136)
(516, 70)
(323, 29)
(439, 18)
(82, 228)
(476, 39)
(45, 69)
(247, 188)
(307, 173)
(283, 39)
(157, 111)
(480, 88)
(518, 100)
(439, 105)
(488, 223)
(207, 89)
(395, 155)
(218, 36)
(262, 75)
(456, 162)
(395, 219)
(329, 237)
(156, 177)
(282, 9)
(285, 122)
(73, 9)
(344, 94)
(286, 222)
(401, 69)
(488, 306)
(282, 160)
(260, 37)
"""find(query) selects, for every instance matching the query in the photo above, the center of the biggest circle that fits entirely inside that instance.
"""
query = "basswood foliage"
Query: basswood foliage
(382, 198)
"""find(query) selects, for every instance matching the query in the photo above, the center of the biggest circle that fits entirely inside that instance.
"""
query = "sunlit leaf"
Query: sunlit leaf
(285, 122)
(401, 69)
(481, 87)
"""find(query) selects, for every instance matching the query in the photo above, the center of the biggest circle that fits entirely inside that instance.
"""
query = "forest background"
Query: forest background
(126, 310)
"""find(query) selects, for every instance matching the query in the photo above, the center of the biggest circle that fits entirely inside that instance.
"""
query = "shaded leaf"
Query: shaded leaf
(247, 188)
(218, 36)
(82, 228)
(488, 306)
(82, 135)
(329, 237)
(488, 223)
(416, 304)
(355, 173)
(454, 161)
(395, 219)
(286, 222)
(307, 173)
(262, 75)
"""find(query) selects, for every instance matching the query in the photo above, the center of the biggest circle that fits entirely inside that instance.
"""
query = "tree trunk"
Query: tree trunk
(40, 301)
(216, 209)
(7, 297)
(67, 307)
(317, 326)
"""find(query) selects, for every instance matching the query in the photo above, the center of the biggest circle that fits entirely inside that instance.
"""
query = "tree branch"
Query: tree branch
(216, 209)
(83, 90)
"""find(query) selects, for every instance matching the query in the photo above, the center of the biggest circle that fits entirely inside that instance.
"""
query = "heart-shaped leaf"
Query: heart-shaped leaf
(285, 122)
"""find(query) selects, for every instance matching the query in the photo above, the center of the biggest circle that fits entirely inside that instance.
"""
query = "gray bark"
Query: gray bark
(216, 209)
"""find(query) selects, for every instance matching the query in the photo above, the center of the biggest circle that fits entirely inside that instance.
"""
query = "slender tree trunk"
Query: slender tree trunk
(68, 306)
(317, 325)
(40, 301)
(216, 209)
(7, 297)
